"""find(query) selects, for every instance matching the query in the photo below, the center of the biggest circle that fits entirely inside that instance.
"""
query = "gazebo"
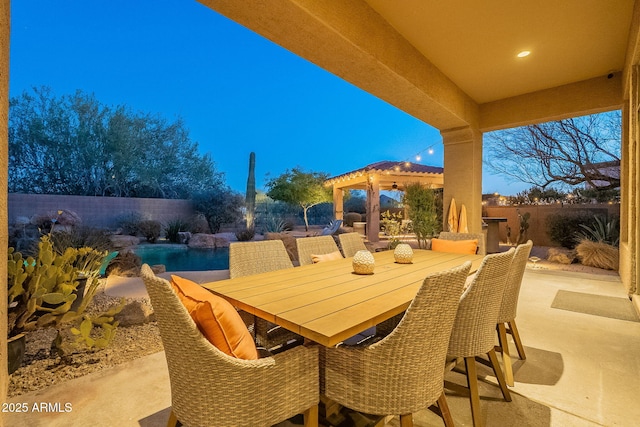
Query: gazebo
(384, 175)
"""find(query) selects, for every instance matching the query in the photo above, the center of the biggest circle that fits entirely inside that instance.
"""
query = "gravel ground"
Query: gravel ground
(40, 370)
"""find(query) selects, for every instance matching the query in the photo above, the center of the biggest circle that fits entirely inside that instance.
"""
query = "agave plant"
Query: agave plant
(601, 231)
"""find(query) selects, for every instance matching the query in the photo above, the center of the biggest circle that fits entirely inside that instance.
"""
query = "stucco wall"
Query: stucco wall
(98, 211)
(539, 214)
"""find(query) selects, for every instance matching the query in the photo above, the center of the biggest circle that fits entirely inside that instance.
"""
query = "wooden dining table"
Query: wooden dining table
(327, 302)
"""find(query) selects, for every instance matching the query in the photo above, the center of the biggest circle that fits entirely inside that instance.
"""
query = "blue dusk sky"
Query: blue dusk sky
(236, 91)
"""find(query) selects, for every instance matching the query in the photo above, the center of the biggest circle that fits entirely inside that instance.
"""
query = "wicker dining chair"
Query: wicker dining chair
(351, 243)
(474, 328)
(247, 258)
(508, 309)
(208, 387)
(402, 373)
(482, 247)
(318, 245)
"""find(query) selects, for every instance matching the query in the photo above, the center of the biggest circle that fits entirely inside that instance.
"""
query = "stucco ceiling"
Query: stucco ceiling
(475, 43)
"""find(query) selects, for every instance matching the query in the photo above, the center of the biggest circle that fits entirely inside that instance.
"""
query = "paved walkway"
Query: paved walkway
(581, 370)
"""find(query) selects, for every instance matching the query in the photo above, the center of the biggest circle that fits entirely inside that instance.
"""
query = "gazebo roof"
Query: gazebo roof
(389, 173)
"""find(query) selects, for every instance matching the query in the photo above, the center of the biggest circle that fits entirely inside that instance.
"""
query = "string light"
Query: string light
(418, 156)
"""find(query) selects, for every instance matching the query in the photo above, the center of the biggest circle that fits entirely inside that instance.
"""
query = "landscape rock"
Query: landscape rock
(561, 255)
(222, 242)
(22, 221)
(202, 241)
(183, 237)
(158, 268)
(207, 241)
(135, 313)
(121, 241)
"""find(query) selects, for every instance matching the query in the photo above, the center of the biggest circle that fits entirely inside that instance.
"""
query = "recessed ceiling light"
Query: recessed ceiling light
(524, 53)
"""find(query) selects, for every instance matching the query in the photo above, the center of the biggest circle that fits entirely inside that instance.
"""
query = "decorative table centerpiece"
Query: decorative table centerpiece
(403, 254)
(363, 262)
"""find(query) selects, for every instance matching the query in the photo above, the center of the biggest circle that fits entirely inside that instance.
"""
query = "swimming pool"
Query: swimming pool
(183, 258)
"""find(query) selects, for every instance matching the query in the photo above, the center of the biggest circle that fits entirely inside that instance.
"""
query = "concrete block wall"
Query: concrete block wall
(98, 211)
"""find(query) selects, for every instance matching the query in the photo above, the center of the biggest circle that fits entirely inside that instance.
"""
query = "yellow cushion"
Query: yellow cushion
(326, 257)
(455, 246)
(216, 318)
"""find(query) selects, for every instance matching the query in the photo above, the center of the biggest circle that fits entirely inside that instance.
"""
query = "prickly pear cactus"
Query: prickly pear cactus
(41, 292)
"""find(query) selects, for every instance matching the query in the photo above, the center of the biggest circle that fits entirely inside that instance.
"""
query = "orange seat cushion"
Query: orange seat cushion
(216, 318)
(326, 257)
(455, 246)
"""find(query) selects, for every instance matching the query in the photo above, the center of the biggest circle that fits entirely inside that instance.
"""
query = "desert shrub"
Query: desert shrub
(601, 230)
(422, 203)
(83, 236)
(598, 254)
(357, 202)
(563, 228)
(351, 217)
(272, 224)
(198, 224)
(126, 264)
(245, 234)
(174, 227)
(129, 223)
(150, 229)
(219, 206)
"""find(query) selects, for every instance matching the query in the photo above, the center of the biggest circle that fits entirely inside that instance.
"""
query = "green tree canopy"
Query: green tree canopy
(423, 211)
(305, 189)
(73, 144)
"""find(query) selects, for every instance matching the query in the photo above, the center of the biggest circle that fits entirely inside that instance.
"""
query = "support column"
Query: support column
(629, 187)
(5, 23)
(373, 208)
(463, 173)
(338, 203)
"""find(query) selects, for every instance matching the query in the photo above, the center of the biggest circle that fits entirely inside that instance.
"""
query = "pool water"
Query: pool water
(182, 258)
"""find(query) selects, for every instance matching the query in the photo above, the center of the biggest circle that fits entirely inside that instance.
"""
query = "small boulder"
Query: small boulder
(158, 268)
(561, 256)
(221, 242)
(121, 241)
(183, 237)
(202, 241)
(135, 313)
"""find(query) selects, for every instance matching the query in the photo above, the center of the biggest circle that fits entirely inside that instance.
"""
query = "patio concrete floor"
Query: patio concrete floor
(581, 370)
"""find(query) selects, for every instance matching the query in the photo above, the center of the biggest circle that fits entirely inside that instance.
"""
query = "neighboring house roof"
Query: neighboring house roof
(609, 169)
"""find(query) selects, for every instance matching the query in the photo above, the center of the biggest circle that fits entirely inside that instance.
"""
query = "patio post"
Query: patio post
(5, 19)
(463, 172)
(338, 205)
(373, 208)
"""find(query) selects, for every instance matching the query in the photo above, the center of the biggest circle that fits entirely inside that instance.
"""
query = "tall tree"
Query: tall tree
(305, 189)
(73, 144)
(566, 152)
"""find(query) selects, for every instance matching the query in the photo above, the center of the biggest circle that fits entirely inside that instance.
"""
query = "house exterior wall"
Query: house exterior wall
(5, 7)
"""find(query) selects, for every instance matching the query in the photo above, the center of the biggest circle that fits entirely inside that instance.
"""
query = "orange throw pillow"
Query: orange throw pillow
(455, 246)
(326, 257)
(216, 318)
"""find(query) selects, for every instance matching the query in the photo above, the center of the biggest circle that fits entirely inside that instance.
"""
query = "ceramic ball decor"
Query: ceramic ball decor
(403, 254)
(363, 262)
